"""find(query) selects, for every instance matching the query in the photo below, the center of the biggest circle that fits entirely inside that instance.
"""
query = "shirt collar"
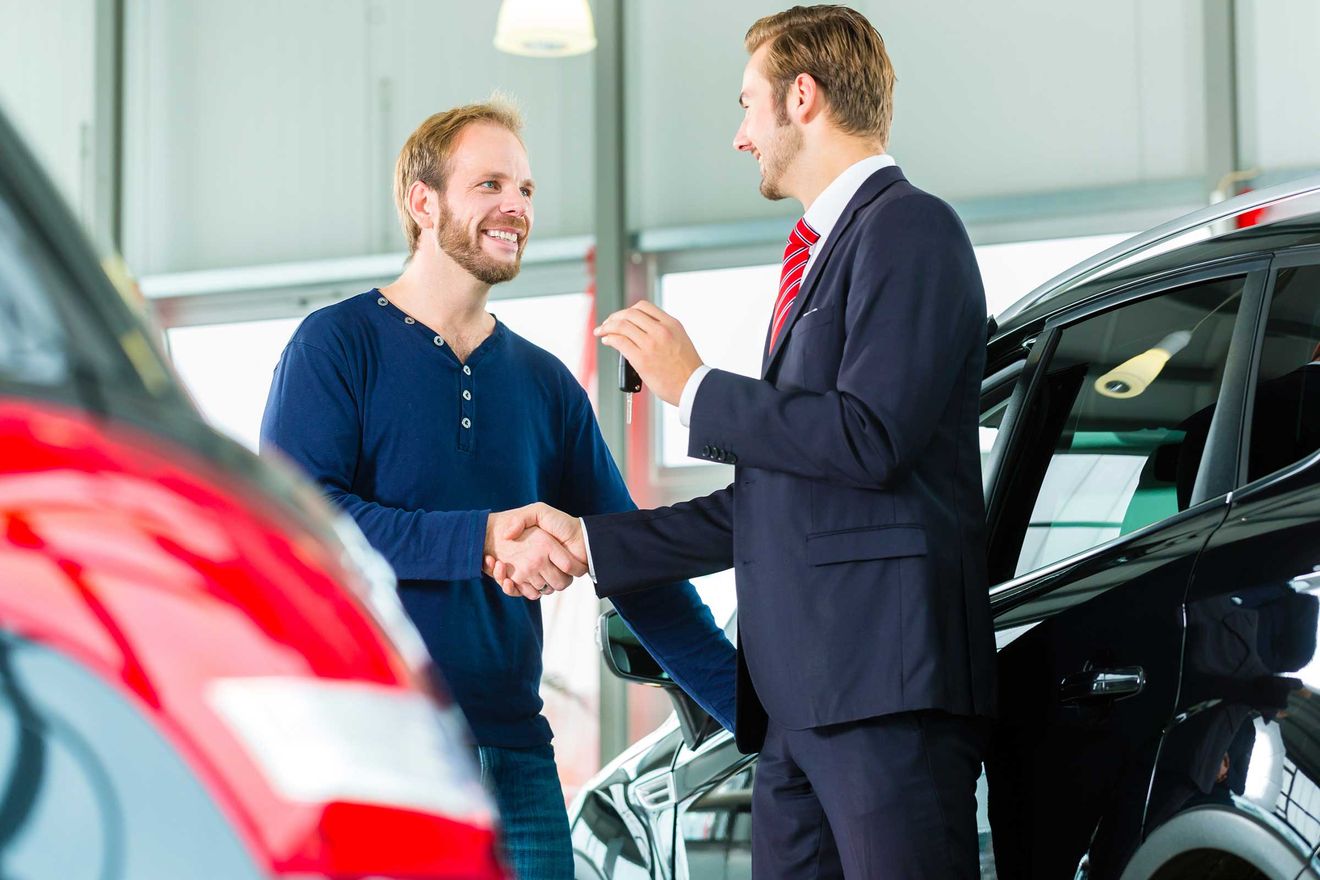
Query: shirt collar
(829, 205)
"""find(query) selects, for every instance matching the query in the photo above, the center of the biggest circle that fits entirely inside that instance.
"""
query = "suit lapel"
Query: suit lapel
(866, 193)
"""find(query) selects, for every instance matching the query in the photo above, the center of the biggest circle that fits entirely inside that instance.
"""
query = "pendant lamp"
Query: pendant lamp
(545, 28)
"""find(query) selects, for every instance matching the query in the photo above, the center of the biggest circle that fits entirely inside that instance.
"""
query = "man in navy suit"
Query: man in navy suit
(855, 523)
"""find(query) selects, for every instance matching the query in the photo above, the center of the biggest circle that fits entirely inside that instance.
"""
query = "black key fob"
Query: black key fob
(629, 381)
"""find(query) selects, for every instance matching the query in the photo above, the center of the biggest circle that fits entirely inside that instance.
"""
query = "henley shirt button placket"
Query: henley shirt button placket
(382, 301)
(465, 408)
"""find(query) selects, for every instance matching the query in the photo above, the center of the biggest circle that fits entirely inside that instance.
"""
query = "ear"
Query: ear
(805, 99)
(424, 205)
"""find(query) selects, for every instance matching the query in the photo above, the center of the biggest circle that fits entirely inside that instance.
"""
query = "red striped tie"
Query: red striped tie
(796, 254)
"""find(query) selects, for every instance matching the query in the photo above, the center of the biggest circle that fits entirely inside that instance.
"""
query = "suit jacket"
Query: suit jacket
(855, 522)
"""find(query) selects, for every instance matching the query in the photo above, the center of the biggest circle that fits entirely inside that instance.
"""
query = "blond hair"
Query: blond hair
(842, 52)
(425, 155)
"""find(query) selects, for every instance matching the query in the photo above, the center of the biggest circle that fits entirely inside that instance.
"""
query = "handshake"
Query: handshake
(534, 551)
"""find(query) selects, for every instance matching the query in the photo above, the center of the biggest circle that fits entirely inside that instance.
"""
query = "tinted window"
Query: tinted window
(33, 346)
(1285, 424)
(1116, 432)
(717, 830)
(64, 332)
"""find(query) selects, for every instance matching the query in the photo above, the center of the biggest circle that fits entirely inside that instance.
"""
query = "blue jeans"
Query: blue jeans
(526, 787)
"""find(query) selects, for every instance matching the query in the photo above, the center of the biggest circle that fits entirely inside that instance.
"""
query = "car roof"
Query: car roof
(1284, 217)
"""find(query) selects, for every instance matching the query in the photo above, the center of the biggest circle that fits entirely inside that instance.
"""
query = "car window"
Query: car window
(1118, 425)
(1285, 422)
(33, 346)
(717, 830)
(61, 336)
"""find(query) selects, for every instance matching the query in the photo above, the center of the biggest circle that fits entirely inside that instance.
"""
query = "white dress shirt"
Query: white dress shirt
(822, 216)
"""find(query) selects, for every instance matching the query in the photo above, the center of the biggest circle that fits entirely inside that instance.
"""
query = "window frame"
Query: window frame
(1302, 257)
(1218, 476)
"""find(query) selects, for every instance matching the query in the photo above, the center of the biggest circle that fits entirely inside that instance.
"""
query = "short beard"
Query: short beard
(467, 253)
(787, 145)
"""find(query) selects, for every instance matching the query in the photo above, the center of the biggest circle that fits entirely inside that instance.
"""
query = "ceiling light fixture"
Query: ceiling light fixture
(1135, 374)
(545, 28)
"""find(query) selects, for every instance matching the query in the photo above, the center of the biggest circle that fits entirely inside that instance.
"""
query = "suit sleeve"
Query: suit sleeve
(671, 621)
(643, 548)
(915, 307)
(311, 417)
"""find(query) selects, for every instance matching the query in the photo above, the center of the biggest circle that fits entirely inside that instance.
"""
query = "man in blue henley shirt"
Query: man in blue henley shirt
(432, 424)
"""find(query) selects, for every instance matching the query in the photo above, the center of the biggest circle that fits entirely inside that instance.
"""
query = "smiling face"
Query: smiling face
(766, 131)
(486, 208)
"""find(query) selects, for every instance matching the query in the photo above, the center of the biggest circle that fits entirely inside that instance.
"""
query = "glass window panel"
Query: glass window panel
(1285, 424)
(727, 311)
(1127, 424)
(560, 324)
(1011, 271)
(227, 368)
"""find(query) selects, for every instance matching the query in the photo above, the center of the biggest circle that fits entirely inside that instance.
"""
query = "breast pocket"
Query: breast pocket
(814, 358)
(857, 545)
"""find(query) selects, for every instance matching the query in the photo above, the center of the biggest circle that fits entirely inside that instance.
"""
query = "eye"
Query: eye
(526, 191)
(489, 183)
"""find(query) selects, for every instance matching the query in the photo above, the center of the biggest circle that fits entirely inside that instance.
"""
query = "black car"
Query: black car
(1151, 420)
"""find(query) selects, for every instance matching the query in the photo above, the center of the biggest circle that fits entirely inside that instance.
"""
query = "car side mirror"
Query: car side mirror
(626, 658)
(624, 655)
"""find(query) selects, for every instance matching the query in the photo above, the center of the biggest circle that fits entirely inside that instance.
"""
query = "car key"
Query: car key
(629, 383)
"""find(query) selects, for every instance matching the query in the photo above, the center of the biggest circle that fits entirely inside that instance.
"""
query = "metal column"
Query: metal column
(106, 147)
(611, 264)
(1222, 149)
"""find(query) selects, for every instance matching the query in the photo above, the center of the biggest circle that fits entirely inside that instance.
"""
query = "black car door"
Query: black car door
(1103, 488)
(1243, 754)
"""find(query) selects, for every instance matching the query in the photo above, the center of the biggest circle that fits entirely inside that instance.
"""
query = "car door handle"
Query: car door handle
(1102, 684)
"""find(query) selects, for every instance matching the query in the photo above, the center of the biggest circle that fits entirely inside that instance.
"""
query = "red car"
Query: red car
(204, 671)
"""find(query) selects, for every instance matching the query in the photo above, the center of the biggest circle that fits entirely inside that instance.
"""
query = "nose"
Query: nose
(515, 207)
(741, 142)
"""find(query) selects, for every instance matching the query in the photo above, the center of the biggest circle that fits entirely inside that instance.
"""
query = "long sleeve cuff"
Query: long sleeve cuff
(586, 543)
(689, 395)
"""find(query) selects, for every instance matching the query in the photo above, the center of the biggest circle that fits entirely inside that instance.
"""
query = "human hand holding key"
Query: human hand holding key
(655, 346)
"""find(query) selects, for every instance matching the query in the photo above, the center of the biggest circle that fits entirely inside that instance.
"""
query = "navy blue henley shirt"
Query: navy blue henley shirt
(419, 448)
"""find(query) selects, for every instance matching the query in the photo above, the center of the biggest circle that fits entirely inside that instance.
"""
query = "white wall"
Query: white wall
(263, 132)
(46, 88)
(992, 98)
(1279, 83)
(260, 132)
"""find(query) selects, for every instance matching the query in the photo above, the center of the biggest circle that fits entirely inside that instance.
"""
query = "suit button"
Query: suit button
(733, 459)
(705, 451)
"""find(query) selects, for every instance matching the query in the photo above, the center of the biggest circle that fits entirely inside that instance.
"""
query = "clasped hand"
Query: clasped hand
(534, 551)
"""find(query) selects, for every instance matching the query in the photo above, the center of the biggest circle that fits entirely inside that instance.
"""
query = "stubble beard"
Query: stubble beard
(466, 251)
(775, 161)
